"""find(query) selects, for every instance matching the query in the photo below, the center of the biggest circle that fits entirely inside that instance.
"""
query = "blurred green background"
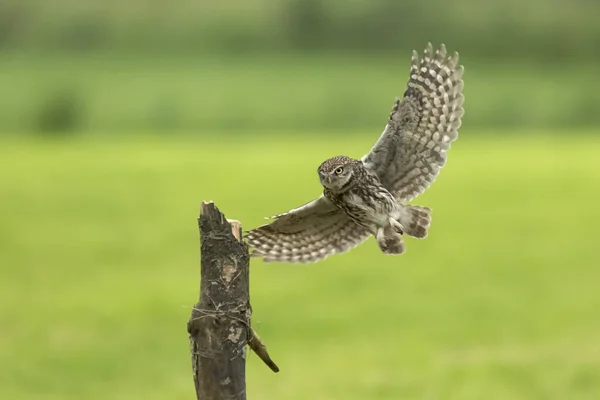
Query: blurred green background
(118, 118)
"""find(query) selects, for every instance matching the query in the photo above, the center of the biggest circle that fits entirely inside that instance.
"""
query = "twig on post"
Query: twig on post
(219, 326)
(260, 349)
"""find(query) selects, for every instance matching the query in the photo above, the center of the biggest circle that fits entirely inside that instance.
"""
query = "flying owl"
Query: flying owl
(368, 196)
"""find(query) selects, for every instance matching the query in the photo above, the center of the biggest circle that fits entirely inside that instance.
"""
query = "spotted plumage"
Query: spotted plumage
(367, 197)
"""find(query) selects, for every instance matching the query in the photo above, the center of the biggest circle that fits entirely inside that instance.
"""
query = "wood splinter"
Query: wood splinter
(260, 349)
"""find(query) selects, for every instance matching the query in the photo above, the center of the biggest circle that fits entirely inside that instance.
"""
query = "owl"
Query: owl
(368, 196)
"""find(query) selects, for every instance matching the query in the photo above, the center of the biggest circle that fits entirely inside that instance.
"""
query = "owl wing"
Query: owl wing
(306, 234)
(412, 148)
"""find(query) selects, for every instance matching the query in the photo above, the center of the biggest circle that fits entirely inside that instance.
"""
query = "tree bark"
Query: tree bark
(219, 327)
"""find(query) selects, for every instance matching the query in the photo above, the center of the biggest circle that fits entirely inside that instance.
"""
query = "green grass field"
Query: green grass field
(99, 268)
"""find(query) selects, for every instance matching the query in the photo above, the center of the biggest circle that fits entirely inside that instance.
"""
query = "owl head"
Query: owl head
(336, 173)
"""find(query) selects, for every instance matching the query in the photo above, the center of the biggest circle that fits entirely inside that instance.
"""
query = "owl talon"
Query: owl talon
(397, 226)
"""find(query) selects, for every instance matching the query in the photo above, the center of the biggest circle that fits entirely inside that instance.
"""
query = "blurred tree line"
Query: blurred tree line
(54, 55)
(484, 28)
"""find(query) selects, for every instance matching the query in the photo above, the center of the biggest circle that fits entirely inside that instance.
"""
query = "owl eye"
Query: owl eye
(339, 170)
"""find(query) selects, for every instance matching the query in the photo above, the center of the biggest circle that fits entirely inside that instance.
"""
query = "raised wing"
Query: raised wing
(412, 148)
(306, 234)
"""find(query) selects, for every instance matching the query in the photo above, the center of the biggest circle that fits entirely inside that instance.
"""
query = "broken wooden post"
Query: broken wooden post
(219, 327)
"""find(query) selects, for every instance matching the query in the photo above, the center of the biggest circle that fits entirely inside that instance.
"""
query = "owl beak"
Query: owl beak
(322, 177)
(325, 180)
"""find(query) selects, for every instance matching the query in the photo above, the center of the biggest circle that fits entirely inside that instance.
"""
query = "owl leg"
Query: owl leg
(389, 241)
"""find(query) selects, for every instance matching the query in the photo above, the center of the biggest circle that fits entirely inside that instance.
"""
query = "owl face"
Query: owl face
(337, 172)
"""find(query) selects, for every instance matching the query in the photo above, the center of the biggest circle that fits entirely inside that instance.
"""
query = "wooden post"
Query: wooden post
(219, 327)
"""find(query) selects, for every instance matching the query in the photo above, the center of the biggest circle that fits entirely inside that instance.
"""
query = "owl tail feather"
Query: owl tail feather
(390, 241)
(416, 221)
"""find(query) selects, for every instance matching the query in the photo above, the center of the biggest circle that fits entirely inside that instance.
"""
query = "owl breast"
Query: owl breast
(369, 206)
